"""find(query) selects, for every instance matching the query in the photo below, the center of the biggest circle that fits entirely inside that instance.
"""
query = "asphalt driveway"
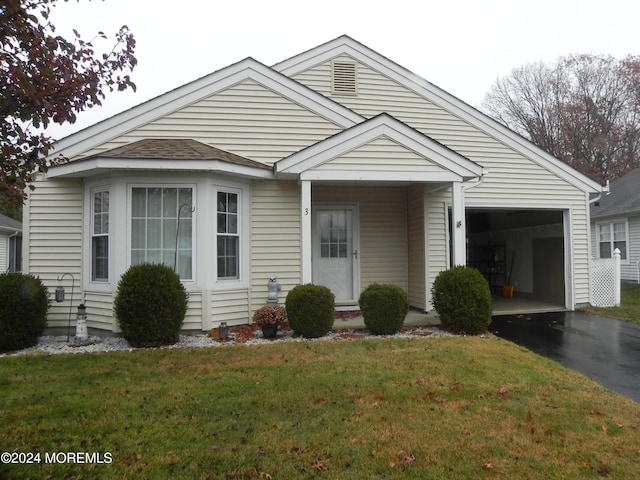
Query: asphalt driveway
(603, 349)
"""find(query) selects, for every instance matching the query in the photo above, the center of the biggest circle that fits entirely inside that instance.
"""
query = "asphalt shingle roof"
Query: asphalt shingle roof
(623, 199)
(177, 149)
(8, 223)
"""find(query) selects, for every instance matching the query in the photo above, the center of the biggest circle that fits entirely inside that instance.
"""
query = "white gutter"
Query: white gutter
(485, 171)
(605, 188)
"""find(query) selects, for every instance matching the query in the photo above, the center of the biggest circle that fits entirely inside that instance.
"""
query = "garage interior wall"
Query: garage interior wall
(529, 243)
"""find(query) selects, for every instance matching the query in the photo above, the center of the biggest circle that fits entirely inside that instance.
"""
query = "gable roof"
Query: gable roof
(345, 45)
(8, 224)
(624, 197)
(451, 165)
(163, 154)
(197, 90)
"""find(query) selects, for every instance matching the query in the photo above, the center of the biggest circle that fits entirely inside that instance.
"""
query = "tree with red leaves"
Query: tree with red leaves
(584, 110)
(47, 78)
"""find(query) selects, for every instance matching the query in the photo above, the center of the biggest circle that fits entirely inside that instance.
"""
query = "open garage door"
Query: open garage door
(524, 249)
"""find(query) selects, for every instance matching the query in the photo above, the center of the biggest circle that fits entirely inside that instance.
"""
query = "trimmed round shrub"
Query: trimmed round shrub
(24, 303)
(462, 298)
(310, 310)
(384, 308)
(150, 305)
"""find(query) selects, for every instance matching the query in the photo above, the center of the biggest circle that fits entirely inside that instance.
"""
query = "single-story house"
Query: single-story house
(615, 223)
(336, 166)
(10, 244)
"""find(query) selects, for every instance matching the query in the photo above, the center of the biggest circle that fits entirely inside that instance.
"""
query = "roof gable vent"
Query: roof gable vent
(344, 78)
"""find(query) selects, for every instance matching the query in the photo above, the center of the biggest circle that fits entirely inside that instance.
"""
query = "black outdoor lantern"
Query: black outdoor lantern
(59, 294)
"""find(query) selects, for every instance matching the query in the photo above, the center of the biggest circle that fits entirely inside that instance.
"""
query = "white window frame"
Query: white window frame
(194, 194)
(93, 234)
(610, 225)
(241, 234)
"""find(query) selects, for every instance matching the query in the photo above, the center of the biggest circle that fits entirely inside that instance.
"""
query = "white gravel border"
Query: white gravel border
(58, 345)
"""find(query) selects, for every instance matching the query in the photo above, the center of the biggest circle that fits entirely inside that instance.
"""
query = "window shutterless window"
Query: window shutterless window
(228, 235)
(162, 227)
(100, 236)
(15, 253)
(612, 236)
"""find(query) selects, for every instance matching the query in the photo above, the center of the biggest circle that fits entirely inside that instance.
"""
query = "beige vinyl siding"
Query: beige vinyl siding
(378, 93)
(193, 318)
(416, 245)
(275, 238)
(513, 180)
(100, 311)
(381, 154)
(437, 243)
(383, 254)
(630, 269)
(231, 306)
(4, 252)
(247, 119)
(580, 252)
(53, 240)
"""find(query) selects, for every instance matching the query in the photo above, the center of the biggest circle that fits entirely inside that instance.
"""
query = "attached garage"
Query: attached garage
(289, 177)
(522, 248)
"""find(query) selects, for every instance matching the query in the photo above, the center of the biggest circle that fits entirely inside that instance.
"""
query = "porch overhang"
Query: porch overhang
(344, 156)
(380, 151)
(405, 177)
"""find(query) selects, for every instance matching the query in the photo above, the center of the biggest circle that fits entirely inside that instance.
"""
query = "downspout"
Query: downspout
(485, 171)
(605, 189)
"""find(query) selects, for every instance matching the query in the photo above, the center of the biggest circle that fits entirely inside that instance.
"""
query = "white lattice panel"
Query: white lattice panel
(603, 282)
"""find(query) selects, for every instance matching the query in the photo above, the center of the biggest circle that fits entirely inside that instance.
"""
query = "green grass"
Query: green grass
(423, 408)
(629, 309)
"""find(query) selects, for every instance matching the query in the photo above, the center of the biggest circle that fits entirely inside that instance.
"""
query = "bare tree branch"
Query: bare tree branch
(584, 109)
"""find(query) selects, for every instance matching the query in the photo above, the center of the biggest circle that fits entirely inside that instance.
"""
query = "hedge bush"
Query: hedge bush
(150, 305)
(384, 308)
(462, 298)
(310, 310)
(24, 303)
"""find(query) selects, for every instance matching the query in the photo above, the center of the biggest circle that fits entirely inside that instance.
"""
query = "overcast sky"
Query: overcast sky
(462, 46)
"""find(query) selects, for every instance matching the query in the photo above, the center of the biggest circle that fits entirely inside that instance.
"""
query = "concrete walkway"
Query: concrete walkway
(413, 319)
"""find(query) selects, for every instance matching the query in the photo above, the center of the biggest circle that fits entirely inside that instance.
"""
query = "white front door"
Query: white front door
(335, 250)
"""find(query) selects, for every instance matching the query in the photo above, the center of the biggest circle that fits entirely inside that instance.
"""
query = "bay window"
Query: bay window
(162, 228)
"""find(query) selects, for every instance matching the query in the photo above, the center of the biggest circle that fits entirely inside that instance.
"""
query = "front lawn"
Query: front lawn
(423, 408)
(629, 309)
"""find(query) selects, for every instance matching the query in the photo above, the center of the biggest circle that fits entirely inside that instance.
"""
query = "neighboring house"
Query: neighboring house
(336, 166)
(10, 244)
(615, 223)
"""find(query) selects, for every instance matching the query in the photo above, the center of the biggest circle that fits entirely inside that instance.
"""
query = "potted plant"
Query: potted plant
(269, 318)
